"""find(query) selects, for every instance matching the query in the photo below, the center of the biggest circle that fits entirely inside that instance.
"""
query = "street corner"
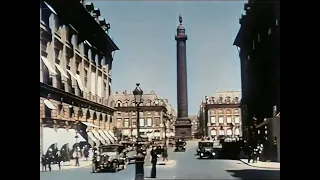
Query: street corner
(265, 165)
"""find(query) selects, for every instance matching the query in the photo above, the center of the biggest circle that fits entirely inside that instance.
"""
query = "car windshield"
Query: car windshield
(206, 144)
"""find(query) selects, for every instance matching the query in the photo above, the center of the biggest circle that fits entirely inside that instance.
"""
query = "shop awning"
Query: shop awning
(49, 104)
(108, 136)
(104, 136)
(49, 137)
(63, 137)
(97, 135)
(112, 135)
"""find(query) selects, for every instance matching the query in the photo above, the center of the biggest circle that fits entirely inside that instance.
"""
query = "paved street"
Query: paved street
(187, 166)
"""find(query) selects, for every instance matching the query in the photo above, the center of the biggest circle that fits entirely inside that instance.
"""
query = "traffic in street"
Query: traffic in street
(186, 166)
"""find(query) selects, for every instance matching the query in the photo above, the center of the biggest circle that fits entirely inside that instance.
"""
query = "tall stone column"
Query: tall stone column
(183, 123)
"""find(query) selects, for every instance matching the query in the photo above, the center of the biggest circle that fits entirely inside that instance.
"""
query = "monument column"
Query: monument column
(183, 123)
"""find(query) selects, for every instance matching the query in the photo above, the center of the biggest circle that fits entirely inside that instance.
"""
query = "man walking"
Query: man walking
(165, 153)
(43, 163)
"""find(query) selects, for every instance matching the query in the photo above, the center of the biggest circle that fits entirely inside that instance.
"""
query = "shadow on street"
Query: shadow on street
(255, 174)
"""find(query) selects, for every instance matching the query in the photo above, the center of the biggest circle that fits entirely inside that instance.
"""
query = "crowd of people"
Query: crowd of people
(56, 156)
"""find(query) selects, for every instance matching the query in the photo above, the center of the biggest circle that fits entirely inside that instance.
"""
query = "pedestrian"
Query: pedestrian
(154, 158)
(86, 152)
(59, 159)
(165, 153)
(49, 161)
(249, 153)
(43, 162)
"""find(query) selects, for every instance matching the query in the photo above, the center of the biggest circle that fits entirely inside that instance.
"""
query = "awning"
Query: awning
(89, 124)
(78, 78)
(61, 70)
(72, 138)
(49, 137)
(112, 135)
(63, 137)
(109, 136)
(104, 136)
(92, 140)
(97, 135)
(71, 74)
(47, 63)
(49, 104)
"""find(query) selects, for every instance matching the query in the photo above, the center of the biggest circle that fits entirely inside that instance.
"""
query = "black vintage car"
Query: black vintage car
(109, 157)
(180, 145)
(206, 150)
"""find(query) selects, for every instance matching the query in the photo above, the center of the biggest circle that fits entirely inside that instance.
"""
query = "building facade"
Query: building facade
(221, 115)
(157, 117)
(195, 124)
(75, 75)
(258, 43)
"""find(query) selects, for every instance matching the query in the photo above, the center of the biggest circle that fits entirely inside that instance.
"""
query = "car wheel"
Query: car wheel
(115, 167)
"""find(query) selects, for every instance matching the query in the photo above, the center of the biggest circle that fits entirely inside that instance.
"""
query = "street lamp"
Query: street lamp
(139, 174)
(77, 144)
(206, 116)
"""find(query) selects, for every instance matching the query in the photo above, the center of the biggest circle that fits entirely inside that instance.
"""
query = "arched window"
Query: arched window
(237, 131)
(221, 132)
(213, 132)
(118, 104)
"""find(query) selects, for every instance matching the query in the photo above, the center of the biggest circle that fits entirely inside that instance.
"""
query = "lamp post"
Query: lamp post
(77, 144)
(139, 174)
(206, 116)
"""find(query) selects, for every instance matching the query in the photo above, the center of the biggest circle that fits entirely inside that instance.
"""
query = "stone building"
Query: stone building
(195, 124)
(258, 43)
(157, 117)
(221, 115)
(75, 75)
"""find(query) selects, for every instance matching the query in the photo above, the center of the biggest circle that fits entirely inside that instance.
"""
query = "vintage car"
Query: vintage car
(206, 150)
(109, 157)
(180, 145)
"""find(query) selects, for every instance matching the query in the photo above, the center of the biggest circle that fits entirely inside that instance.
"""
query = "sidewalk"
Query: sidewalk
(69, 165)
(259, 164)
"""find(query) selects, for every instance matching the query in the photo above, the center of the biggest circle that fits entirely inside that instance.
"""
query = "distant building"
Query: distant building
(195, 124)
(221, 115)
(157, 117)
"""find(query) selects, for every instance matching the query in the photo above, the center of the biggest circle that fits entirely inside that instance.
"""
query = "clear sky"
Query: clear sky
(144, 31)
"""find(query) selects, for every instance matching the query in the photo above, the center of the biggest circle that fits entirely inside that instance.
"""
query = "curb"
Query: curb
(258, 166)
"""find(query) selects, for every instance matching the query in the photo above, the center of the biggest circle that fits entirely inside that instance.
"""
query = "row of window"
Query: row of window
(222, 119)
(147, 103)
(144, 122)
(60, 111)
(227, 111)
(222, 132)
(155, 113)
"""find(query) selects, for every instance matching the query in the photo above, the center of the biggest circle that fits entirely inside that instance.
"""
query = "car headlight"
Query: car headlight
(201, 154)
(213, 153)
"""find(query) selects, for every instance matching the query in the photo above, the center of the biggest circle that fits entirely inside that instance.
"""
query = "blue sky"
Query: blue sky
(144, 31)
